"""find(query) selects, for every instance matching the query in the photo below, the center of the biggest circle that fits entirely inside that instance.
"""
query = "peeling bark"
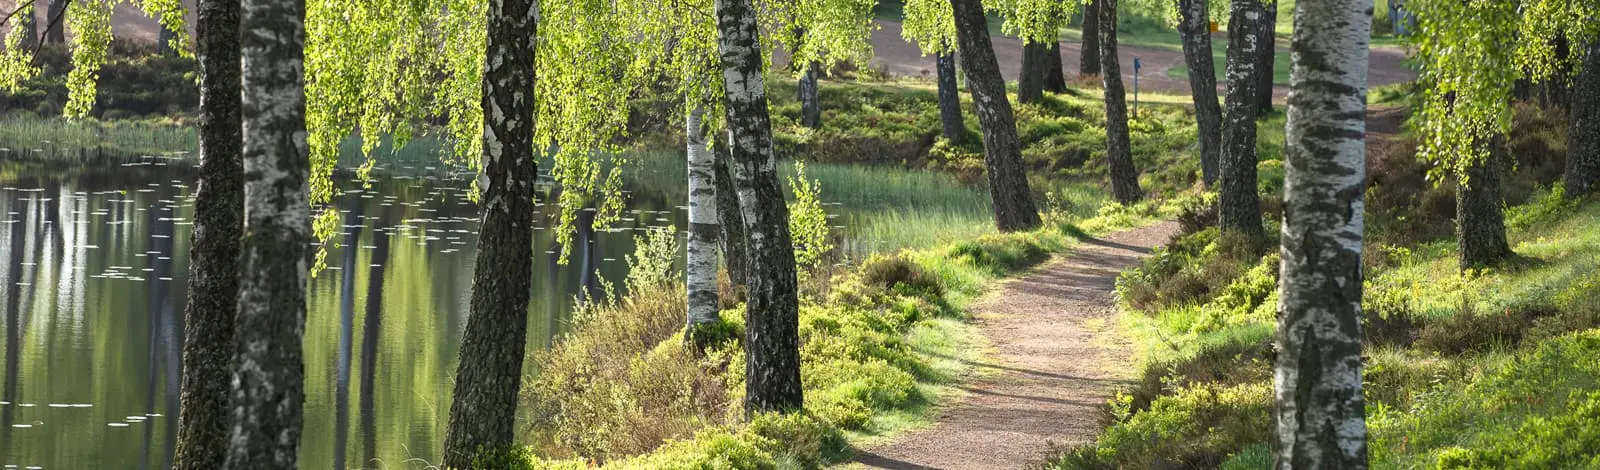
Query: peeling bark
(701, 266)
(489, 375)
(269, 379)
(1002, 153)
(1239, 206)
(1320, 413)
(1195, 28)
(1119, 150)
(214, 253)
(1583, 147)
(772, 343)
(949, 99)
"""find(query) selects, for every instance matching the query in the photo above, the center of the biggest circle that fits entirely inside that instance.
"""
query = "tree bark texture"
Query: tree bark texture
(1031, 78)
(58, 34)
(1268, 46)
(214, 253)
(729, 218)
(489, 375)
(810, 102)
(1583, 148)
(1320, 413)
(1480, 209)
(1119, 150)
(1239, 206)
(772, 343)
(269, 378)
(1195, 28)
(949, 98)
(1055, 78)
(1002, 152)
(1089, 52)
(701, 266)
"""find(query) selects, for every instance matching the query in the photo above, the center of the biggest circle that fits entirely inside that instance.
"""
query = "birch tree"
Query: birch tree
(772, 355)
(1194, 25)
(701, 268)
(489, 374)
(1012, 199)
(214, 254)
(269, 375)
(1089, 50)
(1319, 410)
(1119, 150)
(1239, 206)
(930, 24)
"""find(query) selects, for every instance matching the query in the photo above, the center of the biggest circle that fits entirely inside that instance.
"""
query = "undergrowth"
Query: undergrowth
(882, 342)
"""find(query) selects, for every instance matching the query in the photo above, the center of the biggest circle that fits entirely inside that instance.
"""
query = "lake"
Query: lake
(94, 264)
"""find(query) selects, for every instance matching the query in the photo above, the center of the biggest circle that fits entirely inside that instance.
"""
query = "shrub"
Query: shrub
(898, 273)
(1195, 427)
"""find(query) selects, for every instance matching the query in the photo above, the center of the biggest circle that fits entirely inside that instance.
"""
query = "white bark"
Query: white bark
(701, 268)
(1320, 412)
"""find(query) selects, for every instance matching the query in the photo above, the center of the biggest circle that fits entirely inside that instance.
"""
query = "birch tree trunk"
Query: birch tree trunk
(1267, 54)
(1239, 207)
(772, 343)
(1055, 79)
(701, 267)
(1320, 414)
(1089, 52)
(1031, 77)
(489, 375)
(214, 253)
(1583, 148)
(1480, 210)
(810, 101)
(1119, 150)
(1195, 27)
(729, 218)
(1002, 152)
(949, 98)
(269, 379)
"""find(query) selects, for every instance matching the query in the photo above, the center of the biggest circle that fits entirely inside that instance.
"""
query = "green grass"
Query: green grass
(25, 136)
(1219, 54)
(1462, 370)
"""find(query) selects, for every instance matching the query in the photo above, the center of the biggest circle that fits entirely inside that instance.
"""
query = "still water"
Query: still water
(94, 263)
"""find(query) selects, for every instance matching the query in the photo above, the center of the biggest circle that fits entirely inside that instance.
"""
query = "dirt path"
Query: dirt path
(1054, 364)
(889, 49)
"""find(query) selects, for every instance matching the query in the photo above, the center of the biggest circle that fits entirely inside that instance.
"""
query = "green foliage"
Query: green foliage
(651, 263)
(1194, 427)
(808, 223)
(16, 64)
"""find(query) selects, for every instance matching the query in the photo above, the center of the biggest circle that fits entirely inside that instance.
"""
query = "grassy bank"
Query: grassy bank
(1493, 368)
(881, 342)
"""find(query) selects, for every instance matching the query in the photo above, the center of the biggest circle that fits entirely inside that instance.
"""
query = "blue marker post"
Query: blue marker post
(1136, 66)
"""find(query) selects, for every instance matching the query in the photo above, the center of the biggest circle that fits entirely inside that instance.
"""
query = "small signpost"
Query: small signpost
(1136, 67)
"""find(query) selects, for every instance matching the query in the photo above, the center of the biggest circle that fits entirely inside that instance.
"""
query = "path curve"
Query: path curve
(1056, 360)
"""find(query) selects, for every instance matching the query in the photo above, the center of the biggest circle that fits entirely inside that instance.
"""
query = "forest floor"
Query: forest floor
(1055, 361)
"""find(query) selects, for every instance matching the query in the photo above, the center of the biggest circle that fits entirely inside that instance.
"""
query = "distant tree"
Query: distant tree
(950, 119)
(1089, 52)
(1014, 208)
(489, 374)
(1119, 150)
(58, 33)
(1239, 206)
(269, 375)
(214, 253)
(772, 354)
(1583, 147)
(1055, 78)
(822, 32)
(1319, 409)
(1267, 53)
(1195, 29)
(1034, 71)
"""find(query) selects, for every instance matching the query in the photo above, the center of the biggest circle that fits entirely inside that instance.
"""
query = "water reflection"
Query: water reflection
(94, 265)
